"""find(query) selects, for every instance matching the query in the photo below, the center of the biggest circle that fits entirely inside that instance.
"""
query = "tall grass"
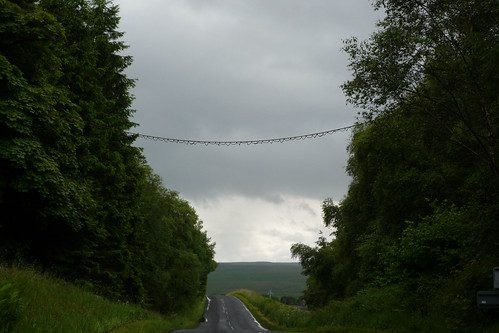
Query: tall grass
(273, 314)
(10, 306)
(366, 313)
(373, 310)
(36, 302)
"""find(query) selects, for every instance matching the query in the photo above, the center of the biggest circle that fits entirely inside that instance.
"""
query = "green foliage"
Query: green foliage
(10, 306)
(435, 57)
(372, 310)
(52, 305)
(420, 214)
(318, 265)
(272, 314)
(76, 197)
(376, 309)
(40, 128)
(174, 254)
(338, 317)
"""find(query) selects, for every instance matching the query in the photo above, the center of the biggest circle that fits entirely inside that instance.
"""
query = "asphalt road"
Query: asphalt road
(227, 314)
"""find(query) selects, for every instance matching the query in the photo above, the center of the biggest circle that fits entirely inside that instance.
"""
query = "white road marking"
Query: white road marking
(256, 321)
(209, 301)
(207, 308)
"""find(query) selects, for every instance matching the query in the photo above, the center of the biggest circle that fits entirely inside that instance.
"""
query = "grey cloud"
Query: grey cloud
(312, 169)
(306, 207)
(234, 69)
(285, 235)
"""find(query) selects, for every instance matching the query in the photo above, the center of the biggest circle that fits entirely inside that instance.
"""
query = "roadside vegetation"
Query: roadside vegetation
(370, 311)
(275, 315)
(34, 302)
(77, 199)
(416, 235)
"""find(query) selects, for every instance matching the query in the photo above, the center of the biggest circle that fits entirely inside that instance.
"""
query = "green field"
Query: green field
(283, 279)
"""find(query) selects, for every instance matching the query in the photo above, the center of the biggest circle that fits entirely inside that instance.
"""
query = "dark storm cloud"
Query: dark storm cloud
(244, 70)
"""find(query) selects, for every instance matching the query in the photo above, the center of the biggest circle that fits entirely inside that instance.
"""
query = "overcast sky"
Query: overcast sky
(236, 70)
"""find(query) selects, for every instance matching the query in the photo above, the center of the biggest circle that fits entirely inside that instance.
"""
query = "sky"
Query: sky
(244, 70)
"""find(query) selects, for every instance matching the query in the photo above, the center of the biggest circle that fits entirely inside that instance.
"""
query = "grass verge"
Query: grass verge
(34, 302)
(276, 316)
(272, 314)
(373, 310)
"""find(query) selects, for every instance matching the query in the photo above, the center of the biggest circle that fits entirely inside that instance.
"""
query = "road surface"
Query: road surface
(227, 314)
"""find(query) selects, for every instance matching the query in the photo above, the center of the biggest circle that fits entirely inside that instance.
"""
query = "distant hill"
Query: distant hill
(284, 279)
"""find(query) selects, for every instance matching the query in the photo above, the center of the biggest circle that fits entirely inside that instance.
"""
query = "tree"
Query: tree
(174, 254)
(425, 185)
(43, 200)
(74, 191)
(436, 56)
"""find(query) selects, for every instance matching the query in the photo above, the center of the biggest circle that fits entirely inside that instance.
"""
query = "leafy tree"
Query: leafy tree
(420, 211)
(439, 57)
(43, 200)
(175, 254)
(76, 197)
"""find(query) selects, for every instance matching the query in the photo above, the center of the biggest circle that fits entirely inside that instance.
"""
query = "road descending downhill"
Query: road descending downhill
(227, 314)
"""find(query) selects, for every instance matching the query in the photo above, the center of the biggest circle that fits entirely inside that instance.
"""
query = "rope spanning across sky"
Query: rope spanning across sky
(242, 142)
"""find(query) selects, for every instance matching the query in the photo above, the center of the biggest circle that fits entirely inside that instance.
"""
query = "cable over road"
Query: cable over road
(242, 142)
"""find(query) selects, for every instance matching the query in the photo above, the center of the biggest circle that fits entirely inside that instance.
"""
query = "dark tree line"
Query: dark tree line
(422, 210)
(76, 197)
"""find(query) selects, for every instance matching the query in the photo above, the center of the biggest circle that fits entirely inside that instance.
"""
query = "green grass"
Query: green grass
(273, 314)
(34, 302)
(375, 310)
(277, 316)
(284, 279)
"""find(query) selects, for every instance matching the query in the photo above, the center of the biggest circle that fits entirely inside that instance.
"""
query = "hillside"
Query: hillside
(284, 279)
(34, 302)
